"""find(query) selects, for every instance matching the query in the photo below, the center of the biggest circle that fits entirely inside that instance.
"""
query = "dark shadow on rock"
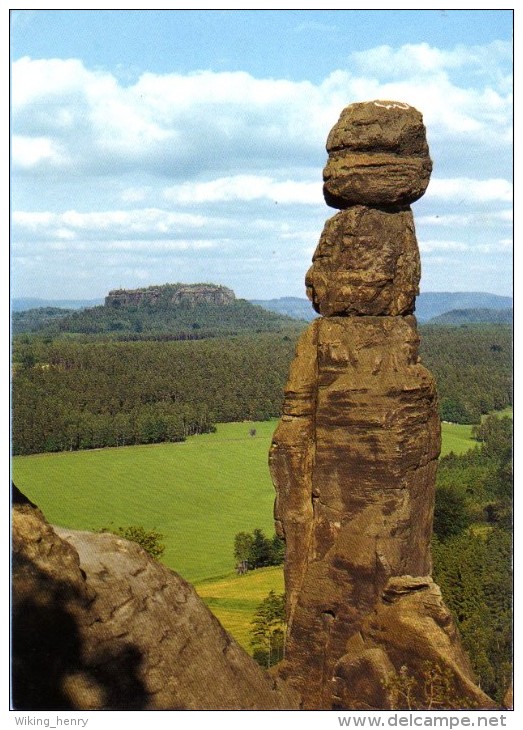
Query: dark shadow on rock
(52, 669)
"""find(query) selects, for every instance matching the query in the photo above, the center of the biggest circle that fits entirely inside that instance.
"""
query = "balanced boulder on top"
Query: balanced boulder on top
(378, 156)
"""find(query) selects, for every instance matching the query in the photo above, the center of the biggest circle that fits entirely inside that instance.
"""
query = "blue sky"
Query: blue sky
(161, 146)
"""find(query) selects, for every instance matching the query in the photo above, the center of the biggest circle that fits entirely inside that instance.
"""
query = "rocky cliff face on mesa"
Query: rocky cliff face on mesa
(354, 456)
(174, 294)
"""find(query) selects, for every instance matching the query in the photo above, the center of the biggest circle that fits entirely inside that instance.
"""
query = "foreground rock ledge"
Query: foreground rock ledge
(99, 625)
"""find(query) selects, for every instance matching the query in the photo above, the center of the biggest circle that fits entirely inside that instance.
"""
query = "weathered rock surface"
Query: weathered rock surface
(354, 456)
(354, 461)
(366, 263)
(193, 294)
(378, 156)
(407, 645)
(98, 624)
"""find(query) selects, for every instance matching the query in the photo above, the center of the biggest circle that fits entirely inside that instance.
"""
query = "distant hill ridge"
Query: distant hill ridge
(474, 316)
(428, 304)
(199, 309)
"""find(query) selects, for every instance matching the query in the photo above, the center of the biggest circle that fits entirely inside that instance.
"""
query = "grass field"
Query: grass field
(198, 494)
(234, 599)
(456, 437)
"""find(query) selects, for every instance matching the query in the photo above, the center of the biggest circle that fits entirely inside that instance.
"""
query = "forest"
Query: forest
(472, 549)
(84, 392)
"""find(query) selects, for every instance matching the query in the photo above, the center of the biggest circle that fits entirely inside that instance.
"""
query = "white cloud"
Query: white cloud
(153, 246)
(388, 61)
(246, 188)
(29, 152)
(45, 79)
(470, 190)
(151, 222)
(112, 167)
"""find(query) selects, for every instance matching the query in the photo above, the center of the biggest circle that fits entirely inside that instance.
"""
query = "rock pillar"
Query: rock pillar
(354, 456)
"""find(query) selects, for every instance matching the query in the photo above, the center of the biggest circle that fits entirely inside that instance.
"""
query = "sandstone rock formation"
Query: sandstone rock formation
(367, 262)
(98, 624)
(354, 456)
(407, 655)
(177, 294)
(378, 155)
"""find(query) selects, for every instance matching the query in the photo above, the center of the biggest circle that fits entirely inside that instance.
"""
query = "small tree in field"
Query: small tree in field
(242, 551)
(268, 630)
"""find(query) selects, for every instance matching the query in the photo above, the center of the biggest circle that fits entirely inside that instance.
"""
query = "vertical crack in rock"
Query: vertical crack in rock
(354, 457)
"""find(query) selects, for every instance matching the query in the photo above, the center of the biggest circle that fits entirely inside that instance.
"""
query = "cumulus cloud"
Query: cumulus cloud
(31, 152)
(184, 167)
(470, 190)
(246, 188)
(179, 126)
(167, 124)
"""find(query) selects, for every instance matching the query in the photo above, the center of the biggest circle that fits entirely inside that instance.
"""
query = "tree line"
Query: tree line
(82, 393)
(472, 365)
(70, 395)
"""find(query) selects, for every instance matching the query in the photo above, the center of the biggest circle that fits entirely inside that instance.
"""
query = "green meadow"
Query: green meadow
(234, 599)
(456, 437)
(198, 494)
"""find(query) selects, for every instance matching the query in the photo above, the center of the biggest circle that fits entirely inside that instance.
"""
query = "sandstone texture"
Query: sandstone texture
(409, 627)
(378, 156)
(354, 466)
(366, 263)
(354, 457)
(98, 625)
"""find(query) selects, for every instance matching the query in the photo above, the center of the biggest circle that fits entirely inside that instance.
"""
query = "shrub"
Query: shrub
(149, 540)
